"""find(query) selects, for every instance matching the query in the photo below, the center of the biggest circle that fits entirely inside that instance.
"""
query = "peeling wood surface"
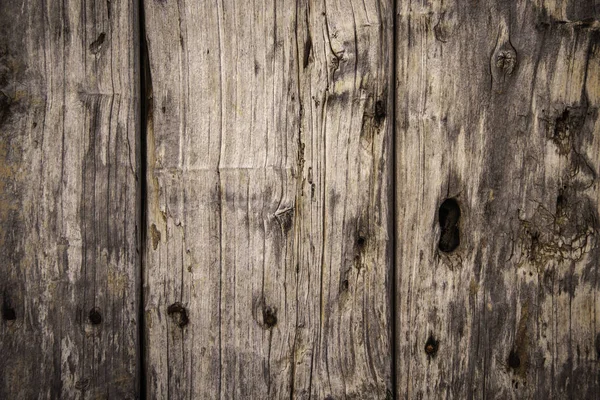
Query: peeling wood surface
(497, 108)
(69, 125)
(268, 261)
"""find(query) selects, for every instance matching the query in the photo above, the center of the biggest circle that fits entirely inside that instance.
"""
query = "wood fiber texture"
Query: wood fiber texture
(69, 128)
(300, 199)
(497, 108)
(269, 249)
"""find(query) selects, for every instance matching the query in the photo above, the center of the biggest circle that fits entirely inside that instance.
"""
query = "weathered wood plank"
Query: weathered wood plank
(69, 120)
(497, 107)
(269, 230)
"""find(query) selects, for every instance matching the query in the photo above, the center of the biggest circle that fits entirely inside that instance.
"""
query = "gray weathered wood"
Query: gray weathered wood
(69, 122)
(268, 259)
(497, 107)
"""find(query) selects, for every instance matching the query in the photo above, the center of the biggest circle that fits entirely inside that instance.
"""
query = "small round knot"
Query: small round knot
(431, 346)
(269, 317)
(95, 316)
(179, 314)
(506, 60)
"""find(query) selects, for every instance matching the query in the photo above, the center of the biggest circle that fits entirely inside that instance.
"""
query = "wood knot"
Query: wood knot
(8, 313)
(431, 346)
(565, 126)
(514, 361)
(345, 285)
(506, 60)
(361, 241)
(94, 316)
(82, 384)
(96, 45)
(179, 314)
(449, 216)
(380, 111)
(269, 317)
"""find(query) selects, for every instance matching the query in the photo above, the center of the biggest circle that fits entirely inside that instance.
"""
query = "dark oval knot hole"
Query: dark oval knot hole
(179, 314)
(361, 241)
(269, 317)
(448, 216)
(431, 346)
(8, 313)
(95, 316)
(514, 361)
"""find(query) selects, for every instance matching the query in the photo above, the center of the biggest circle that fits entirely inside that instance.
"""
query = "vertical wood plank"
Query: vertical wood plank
(69, 120)
(497, 108)
(269, 227)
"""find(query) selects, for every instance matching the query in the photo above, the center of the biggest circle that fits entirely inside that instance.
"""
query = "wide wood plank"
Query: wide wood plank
(497, 108)
(268, 259)
(69, 122)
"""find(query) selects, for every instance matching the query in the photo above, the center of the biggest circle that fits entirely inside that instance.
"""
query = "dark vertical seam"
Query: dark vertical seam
(143, 67)
(83, 208)
(393, 224)
(108, 192)
(220, 193)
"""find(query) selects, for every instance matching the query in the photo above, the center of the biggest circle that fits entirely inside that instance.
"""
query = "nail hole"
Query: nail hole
(513, 360)
(448, 216)
(431, 346)
(179, 314)
(360, 241)
(269, 317)
(95, 316)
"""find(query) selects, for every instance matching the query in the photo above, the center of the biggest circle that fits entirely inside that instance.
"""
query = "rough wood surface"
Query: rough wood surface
(268, 254)
(69, 125)
(268, 240)
(497, 107)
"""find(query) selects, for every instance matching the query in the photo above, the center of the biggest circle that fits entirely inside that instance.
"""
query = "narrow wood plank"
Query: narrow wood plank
(269, 227)
(69, 119)
(497, 108)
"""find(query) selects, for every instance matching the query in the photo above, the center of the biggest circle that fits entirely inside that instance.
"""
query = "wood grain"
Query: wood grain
(497, 107)
(270, 189)
(268, 262)
(69, 124)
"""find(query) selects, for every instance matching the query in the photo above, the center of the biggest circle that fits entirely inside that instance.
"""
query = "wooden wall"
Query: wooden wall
(331, 199)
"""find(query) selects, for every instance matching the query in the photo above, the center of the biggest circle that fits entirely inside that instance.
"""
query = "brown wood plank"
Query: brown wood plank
(69, 121)
(269, 205)
(497, 108)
